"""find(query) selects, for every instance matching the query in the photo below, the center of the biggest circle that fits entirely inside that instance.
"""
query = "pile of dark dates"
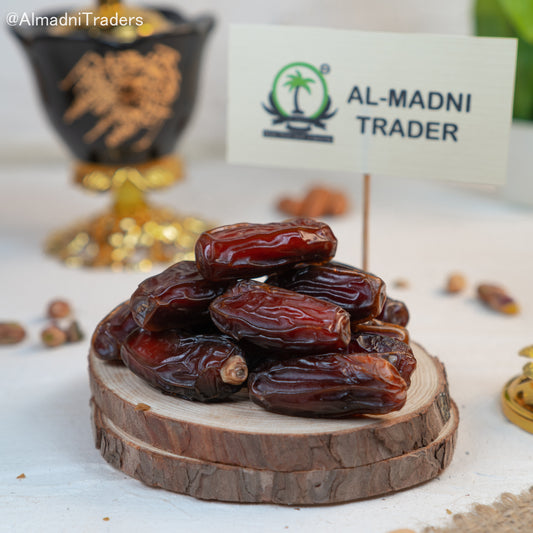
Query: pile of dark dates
(316, 338)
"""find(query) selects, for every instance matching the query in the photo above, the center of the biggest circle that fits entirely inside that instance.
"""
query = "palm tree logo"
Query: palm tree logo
(297, 82)
(300, 101)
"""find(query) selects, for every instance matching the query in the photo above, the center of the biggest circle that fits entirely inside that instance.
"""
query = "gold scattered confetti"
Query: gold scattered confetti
(106, 519)
(21, 476)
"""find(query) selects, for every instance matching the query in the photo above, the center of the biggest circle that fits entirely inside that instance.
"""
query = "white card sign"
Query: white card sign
(412, 105)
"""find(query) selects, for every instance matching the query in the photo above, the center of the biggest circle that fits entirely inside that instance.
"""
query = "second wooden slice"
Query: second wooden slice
(211, 481)
(240, 433)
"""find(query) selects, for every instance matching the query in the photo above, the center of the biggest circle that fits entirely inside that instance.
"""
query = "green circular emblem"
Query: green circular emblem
(300, 89)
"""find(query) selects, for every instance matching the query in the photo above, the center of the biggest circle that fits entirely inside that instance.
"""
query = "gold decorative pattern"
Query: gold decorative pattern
(151, 235)
(517, 395)
(132, 234)
(155, 174)
(129, 93)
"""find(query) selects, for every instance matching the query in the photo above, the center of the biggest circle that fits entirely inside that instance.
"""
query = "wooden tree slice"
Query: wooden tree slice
(212, 481)
(241, 433)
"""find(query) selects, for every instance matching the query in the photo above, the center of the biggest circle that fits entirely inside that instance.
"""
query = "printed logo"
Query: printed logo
(299, 100)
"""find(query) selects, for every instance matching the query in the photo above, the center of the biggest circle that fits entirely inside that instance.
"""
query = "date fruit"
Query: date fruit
(112, 331)
(394, 312)
(396, 352)
(277, 318)
(382, 328)
(253, 250)
(177, 297)
(334, 385)
(204, 368)
(358, 292)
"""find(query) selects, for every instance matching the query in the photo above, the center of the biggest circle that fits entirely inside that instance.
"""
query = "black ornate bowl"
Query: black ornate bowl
(118, 103)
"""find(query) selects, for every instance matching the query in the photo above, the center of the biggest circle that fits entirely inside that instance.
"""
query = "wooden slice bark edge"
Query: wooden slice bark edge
(323, 445)
(211, 481)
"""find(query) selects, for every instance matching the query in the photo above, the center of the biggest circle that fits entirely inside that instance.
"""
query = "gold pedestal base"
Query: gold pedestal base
(132, 234)
(514, 405)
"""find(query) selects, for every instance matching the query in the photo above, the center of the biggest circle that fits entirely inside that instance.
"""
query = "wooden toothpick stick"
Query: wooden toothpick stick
(366, 210)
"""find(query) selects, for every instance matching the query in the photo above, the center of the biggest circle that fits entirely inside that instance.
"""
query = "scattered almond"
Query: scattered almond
(338, 203)
(142, 407)
(290, 206)
(456, 283)
(21, 476)
(317, 202)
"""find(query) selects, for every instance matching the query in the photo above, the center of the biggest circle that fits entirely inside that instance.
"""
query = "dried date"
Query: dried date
(196, 367)
(177, 297)
(358, 292)
(394, 312)
(253, 250)
(396, 352)
(112, 331)
(382, 328)
(334, 385)
(276, 318)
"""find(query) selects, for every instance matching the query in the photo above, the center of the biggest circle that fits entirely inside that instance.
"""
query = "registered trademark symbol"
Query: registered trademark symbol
(325, 68)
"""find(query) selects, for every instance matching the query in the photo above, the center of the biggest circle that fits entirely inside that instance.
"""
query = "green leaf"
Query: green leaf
(523, 99)
(491, 20)
(520, 14)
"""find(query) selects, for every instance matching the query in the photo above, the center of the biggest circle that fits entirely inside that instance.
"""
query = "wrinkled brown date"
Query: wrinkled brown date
(177, 297)
(200, 367)
(334, 385)
(382, 328)
(358, 292)
(272, 317)
(112, 331)
(253, 250)
(396, 352)
(394, 312)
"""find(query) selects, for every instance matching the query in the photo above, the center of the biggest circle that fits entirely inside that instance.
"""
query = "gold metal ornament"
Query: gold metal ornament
(132, 234)
(120, 95)
(517, 395)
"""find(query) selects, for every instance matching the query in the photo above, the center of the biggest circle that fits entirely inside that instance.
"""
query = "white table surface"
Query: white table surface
(419, 231)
